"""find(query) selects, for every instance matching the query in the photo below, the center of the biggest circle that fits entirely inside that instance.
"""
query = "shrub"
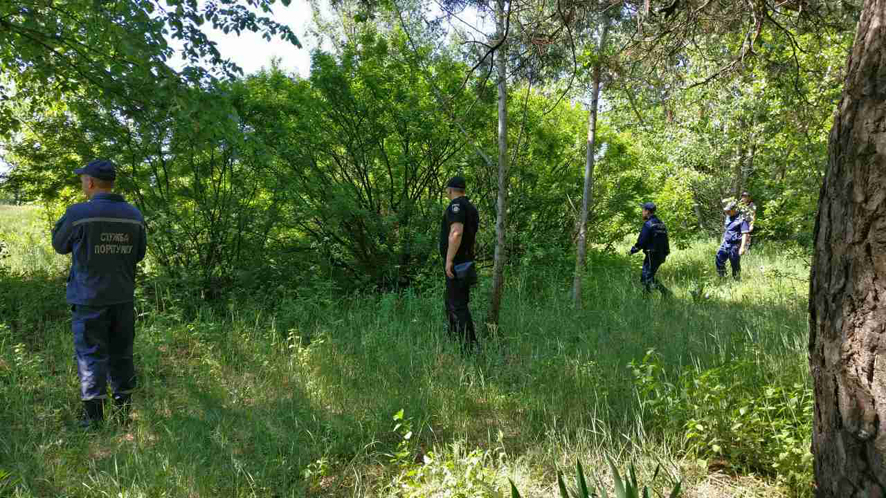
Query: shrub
(728, 420)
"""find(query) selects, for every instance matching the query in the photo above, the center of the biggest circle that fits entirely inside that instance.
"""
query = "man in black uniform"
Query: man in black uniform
(653, 241)
(458, 232)
(106, 239)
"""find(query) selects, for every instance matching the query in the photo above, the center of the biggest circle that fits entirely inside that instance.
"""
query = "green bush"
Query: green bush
(451, 471)
(789, 217)
(730, 418)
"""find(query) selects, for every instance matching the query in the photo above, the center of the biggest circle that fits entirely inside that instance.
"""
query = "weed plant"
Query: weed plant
(292, 392)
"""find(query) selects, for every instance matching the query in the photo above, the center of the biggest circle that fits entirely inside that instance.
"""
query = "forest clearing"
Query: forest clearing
(390, 248)
(297, 397)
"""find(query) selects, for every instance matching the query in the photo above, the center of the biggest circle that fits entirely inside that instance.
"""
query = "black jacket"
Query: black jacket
(460, 210)
(653, 238)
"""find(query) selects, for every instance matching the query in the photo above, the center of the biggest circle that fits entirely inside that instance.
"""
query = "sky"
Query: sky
(251, 52)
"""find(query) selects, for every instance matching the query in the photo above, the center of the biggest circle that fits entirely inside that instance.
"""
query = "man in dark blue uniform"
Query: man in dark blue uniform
(106, 239)
(736, 234)
(653, 241)
(458, 232)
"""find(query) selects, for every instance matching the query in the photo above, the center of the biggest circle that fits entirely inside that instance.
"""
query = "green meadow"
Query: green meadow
(308, 392)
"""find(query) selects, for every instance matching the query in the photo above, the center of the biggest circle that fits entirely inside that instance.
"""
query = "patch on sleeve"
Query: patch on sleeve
(455, 208)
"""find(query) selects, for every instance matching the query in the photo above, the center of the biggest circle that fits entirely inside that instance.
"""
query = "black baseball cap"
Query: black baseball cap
(649, 206)
(456, 182)
(99, 168)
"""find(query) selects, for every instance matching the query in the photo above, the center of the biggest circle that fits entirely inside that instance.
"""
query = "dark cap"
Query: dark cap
(745, 194)
(730, 206)
(456, 182)
(649, 206)
(99, 168)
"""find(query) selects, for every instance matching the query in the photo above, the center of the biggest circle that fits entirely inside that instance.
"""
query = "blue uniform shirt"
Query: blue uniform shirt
(734, 227)
(106, 237)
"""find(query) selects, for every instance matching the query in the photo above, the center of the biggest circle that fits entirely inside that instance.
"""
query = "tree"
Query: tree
(117, 50)
(847, 320)
(363, 151)
(589, 168)
(502, 18)
(203, 183)
(761, 128)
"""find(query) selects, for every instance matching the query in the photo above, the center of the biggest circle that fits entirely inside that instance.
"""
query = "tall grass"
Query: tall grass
(297, 396)
(25, 232)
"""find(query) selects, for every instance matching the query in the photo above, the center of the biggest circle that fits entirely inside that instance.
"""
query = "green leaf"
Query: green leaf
(580, 479)
(620, 491)
(514, 492)
(564, 493)
(676, 491)
(633, 482)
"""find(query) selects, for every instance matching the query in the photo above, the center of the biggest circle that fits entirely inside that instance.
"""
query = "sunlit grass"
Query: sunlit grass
(26, 234)
(296, 397)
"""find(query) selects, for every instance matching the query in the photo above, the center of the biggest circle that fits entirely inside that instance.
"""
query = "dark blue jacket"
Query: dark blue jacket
(647, 241)
(734, 227)
(106, 237)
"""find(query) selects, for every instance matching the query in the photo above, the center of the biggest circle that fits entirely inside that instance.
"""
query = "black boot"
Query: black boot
(123, 404)
(93, 413)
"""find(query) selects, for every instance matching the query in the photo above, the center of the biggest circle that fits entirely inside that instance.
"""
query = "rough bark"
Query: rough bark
(498, 269)
(847, 342)
(587, 194)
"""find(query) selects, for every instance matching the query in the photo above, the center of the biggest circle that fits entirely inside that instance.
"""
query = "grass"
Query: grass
(297, 395)
(25, 231)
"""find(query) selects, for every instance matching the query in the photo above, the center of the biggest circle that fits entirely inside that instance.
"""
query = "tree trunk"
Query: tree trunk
(498, 269)
(847, 321)
(738, 172)
(587, 195)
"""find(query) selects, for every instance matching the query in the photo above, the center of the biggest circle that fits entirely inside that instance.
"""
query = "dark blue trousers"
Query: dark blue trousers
(103, 337)
(730, 253)
(651, 263)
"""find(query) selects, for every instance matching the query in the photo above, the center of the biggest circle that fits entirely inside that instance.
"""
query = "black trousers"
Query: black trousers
(456, 299)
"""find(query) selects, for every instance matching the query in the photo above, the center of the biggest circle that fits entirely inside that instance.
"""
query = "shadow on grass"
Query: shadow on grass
(212, 415)
(231, 408)
(553, 369)
(32, 304)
